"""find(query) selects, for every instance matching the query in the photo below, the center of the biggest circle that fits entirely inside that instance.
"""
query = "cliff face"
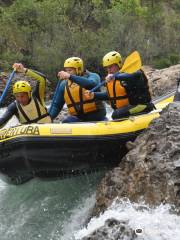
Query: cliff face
(163, 80)
(151, 169)
(149, 173)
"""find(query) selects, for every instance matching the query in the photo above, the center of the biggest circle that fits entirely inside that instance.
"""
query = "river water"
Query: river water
(57, 210)
(45, 210)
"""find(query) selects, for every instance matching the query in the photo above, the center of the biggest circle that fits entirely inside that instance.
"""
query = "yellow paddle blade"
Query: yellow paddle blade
(132, 63)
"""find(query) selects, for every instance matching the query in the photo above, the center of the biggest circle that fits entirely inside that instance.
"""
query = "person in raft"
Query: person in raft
(29, 106)
(74, 82)
(127, 93)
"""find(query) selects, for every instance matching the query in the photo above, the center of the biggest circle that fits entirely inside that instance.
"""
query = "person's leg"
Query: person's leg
(129, 110)
(137, 109)
(94, 116)
(105, 119)
(121, 112)
(71, 119)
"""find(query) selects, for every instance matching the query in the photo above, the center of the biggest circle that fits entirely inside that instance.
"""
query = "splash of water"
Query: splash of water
(12, 122)
(150, 223)
(78, 217)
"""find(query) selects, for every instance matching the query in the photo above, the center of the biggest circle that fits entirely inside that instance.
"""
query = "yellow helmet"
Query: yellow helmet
(112, 58)
(22, 86)
(75, 62)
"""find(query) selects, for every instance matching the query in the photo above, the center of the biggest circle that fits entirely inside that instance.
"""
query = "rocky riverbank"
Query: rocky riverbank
(150, 171)
(163, 80)
(148, 174)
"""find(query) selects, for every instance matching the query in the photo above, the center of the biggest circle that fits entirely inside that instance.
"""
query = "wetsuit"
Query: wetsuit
(128, 94)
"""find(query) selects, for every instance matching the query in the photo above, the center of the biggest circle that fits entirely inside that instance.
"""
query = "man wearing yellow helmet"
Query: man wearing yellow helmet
(29, 106)
(74, 82)
(128, 93)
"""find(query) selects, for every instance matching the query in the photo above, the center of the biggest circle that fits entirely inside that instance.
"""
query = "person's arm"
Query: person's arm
(95, 95)
(134, 80)
(58, 101)
(39, 91)
(11, 110)
(128, 76)
(88, 81)
(40, 88)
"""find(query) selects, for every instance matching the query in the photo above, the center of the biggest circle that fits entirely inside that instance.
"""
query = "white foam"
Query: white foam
(12, 122)
(77, 218)
(156, 224)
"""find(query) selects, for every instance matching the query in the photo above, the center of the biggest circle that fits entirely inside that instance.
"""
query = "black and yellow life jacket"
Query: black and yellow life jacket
(75, 100)
(117, 94)
(34, 112)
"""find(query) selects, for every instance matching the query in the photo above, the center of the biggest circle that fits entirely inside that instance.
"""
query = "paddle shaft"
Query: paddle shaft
(98, 86)
(7, 87)
(55, 93)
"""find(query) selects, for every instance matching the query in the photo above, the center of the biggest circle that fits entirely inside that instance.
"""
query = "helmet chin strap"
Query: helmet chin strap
(29, 95)
(78, 71)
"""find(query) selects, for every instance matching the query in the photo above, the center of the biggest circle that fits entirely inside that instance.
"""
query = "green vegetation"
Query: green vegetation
(43, 33)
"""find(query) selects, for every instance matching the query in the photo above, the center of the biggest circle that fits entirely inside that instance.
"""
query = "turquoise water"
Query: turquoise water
(46, 210)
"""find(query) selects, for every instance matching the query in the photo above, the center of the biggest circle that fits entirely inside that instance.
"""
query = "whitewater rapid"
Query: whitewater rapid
(12, 122)
(156, 223)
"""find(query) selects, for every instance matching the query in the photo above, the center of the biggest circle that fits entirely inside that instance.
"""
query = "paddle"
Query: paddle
(131, 64)
(55, 94)
(7, 86)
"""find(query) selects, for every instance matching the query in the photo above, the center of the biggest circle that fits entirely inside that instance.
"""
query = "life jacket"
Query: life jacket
(133, 92)
(117, 94)
(75, 100)
(34, 112)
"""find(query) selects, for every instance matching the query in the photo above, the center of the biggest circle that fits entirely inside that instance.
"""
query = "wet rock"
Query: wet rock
(151, 169)
(113, 230)
(163, 80)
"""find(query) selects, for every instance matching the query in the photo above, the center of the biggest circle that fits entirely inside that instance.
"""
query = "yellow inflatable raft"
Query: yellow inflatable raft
(56, 150)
